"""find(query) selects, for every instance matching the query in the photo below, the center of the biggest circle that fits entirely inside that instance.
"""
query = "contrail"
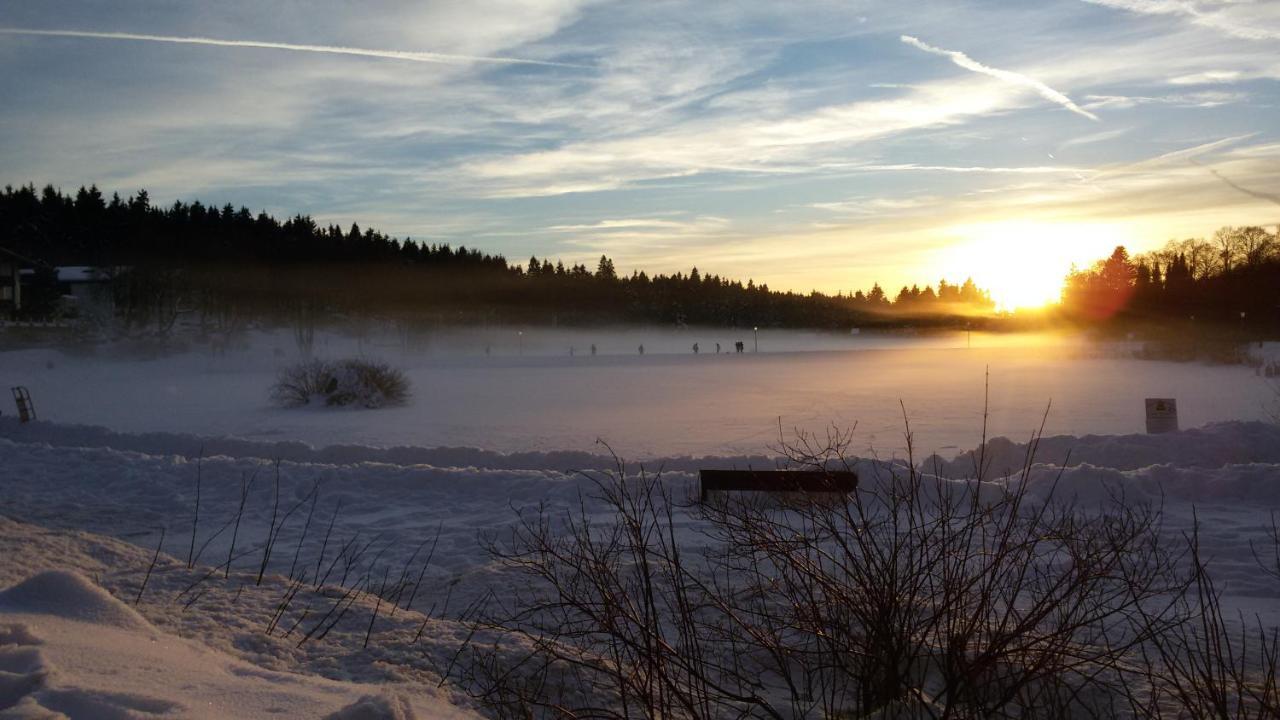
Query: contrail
(422, 57)
(1269, 197)
(1008, 76)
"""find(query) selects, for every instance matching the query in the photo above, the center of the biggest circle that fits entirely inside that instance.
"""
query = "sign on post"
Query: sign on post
(1162, 415)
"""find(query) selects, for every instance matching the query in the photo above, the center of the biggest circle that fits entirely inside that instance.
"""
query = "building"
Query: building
(10, 283)
(84, 291)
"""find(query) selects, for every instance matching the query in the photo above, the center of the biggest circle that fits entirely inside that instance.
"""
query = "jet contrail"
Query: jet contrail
(422, 57)
(1008, 76)
(1269, 197)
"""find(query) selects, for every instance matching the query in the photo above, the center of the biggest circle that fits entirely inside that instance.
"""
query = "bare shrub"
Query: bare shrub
(350, 382)
(370, 383)
(912, 597)
(302, 384)
(1205, 663)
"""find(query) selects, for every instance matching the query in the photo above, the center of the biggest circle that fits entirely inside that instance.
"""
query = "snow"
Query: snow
(69, 649)
(403, 495)
(123, 442)
(70, 596)
(668, 402)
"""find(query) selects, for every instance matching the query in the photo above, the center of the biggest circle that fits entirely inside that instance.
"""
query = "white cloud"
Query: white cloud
(1207, 77)
(795, 144)
(965, 169)
(1206, 99)
(1249, 21)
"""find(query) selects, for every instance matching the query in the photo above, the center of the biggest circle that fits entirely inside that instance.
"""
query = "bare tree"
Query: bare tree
(1228, 241)
(1255, 245)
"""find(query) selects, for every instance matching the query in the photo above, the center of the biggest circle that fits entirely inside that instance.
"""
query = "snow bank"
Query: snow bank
(68, 649)
(1214, 445)
(191, 446)
(1249, 484)
(70, 596)
(105, 482)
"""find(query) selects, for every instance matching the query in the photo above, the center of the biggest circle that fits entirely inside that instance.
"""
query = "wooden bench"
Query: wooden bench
(777, 481)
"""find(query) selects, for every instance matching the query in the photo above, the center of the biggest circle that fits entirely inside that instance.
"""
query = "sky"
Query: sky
(806, 145)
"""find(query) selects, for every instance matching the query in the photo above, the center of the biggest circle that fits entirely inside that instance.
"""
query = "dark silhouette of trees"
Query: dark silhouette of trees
(227, 265)
(1233, 280)
(1101, 293)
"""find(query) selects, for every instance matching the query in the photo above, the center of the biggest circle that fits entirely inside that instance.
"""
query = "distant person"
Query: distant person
(695, 348)
(487, 350)
(738, 347)
(642, 349)
(717, 348)
(593, 349)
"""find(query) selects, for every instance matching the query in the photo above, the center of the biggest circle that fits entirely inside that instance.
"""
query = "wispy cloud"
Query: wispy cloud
(1008, 76)
(1208, 77)
(1207, 99)
(1218, 19)
(644, 237)
(1026, 170)
(411, 56)
(1195, 151)
(792, 145)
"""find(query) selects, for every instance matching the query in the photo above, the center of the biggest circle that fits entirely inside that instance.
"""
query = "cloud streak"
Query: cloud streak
(1007, 76)
(1181, 8)
(405, 55)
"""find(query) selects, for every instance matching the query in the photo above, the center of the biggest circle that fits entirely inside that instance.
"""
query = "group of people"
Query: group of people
(739, 347)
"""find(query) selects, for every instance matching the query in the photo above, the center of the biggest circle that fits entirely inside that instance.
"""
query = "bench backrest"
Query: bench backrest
(807, 481)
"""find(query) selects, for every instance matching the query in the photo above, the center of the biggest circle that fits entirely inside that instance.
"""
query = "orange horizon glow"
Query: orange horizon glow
(1024, 264)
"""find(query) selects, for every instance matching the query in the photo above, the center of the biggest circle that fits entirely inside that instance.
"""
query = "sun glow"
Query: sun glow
(1024, 263)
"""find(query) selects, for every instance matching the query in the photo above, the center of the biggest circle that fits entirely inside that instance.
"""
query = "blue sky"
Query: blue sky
(804, 144)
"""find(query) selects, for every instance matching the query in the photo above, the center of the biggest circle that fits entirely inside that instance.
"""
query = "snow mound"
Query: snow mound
(71, 596)
(1251, 484)
(1213, 446)
(69, 651)
(23, 669)
(162, 444)
(371, 707)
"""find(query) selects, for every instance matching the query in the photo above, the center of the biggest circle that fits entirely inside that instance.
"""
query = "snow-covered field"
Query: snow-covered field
(667, 402)
(125, 444)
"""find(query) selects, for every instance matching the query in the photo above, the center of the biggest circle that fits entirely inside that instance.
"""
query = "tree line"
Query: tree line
(227, 264)
(1232, 279)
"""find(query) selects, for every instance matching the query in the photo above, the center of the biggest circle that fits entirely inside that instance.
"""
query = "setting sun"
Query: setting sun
(1024, 263)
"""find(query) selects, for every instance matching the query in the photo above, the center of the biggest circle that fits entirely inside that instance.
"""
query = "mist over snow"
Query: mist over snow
(529, 393)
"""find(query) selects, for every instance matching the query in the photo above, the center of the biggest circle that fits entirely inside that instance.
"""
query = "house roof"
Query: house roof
(75, 274)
